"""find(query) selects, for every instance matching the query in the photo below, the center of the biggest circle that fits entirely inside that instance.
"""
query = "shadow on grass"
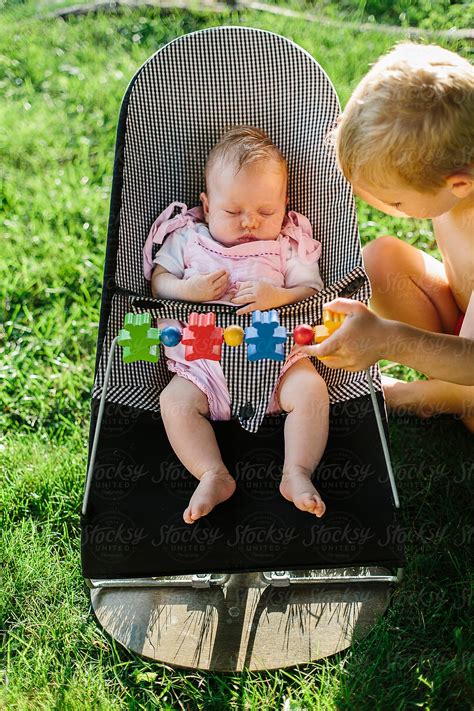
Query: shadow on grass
(420, 653)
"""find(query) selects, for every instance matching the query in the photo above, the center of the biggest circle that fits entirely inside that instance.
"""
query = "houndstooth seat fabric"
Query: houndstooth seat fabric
(177, 106)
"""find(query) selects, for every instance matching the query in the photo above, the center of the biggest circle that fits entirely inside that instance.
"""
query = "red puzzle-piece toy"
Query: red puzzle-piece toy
(202, 338)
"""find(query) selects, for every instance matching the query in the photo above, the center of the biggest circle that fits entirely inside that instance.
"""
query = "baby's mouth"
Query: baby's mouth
(247, 238)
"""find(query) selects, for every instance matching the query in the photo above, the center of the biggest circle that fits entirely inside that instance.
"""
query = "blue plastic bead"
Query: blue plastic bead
(170, 336)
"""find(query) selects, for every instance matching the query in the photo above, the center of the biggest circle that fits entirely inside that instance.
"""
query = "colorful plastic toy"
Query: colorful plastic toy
(234, 335)
(170, 336)
(303, 335)
(202, 338)
(332, 320)
(265, 336)
(138, 339)
(320, 334)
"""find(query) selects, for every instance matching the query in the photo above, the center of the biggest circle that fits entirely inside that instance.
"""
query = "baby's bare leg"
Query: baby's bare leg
(185, 410)
(303, 395)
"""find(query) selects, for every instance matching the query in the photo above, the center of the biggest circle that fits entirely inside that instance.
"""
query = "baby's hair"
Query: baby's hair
(410, 118)
(243, 145)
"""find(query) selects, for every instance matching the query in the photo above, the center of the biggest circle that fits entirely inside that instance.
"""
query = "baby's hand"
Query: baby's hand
(207, 287)
(257, 295)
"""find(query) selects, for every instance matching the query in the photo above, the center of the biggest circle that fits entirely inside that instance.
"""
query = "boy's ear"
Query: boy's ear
(460, 184)
(205, 205)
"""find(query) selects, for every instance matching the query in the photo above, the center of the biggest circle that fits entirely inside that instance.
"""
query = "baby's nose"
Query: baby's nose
(249, 220)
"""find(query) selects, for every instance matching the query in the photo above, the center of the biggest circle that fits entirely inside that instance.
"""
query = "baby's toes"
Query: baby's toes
(319, 507)
(187, 516)
(304, 502)
(199, 508)
(311, 503)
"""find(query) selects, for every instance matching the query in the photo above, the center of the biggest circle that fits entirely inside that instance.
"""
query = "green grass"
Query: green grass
(430, 15)
(62, 84)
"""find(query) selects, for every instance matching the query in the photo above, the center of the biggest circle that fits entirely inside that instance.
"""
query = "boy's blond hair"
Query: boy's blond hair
(242, 145)
(410, 118)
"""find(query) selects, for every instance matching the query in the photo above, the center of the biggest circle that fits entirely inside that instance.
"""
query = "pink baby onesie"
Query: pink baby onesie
(189, 249)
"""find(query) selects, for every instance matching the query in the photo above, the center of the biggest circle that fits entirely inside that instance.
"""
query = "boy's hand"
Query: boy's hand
(207, 287)
(357, 343)
(257, 295)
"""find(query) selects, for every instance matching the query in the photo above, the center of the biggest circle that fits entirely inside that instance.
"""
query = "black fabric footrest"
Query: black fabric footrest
(134, 526)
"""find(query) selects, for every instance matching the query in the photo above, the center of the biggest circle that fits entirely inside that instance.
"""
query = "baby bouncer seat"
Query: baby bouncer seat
(256, 583)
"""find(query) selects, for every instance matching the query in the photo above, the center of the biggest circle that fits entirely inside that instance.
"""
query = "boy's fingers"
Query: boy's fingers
(328, 347)
(344, 306)
(308, 350)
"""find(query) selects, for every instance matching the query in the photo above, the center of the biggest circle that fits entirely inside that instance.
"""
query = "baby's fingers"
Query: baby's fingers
(246, 292)
(242, 299)
(220, 290)
(218, 276)
(245, 310)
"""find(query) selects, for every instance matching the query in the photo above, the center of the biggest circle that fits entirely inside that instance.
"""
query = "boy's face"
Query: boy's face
(246, 206)
(410, 202)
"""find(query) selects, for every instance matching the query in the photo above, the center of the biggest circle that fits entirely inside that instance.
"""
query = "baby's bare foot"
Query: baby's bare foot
(297, 487)
(214, 488)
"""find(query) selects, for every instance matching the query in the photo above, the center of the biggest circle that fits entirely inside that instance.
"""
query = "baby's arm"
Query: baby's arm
(201, 287)
(365, 338)
(296, 293)
(302, 280)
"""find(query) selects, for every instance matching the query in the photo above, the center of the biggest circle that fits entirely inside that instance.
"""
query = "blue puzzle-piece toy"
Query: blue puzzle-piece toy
(265, 337)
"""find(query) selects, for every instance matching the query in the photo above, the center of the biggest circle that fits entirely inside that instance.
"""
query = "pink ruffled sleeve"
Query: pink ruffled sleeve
(164, 225)
(299, 233)
(300, 253)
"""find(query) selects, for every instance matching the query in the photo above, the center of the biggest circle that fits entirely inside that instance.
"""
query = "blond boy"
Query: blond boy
(406, 143)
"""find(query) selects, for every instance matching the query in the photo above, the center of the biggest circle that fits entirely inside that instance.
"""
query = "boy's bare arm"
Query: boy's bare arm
(365, 338)
(437, 355)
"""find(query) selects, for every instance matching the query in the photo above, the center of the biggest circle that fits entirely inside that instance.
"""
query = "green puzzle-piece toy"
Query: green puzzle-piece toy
(138, 340)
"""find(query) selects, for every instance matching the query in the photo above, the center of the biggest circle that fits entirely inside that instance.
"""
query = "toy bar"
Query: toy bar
(203, 339)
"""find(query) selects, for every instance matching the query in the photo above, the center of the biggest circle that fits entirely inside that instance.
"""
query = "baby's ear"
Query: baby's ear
(205, 204)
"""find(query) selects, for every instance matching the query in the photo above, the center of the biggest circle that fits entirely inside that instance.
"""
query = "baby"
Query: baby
(242, 249)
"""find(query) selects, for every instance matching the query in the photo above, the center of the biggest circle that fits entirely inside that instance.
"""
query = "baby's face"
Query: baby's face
(246, 206)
